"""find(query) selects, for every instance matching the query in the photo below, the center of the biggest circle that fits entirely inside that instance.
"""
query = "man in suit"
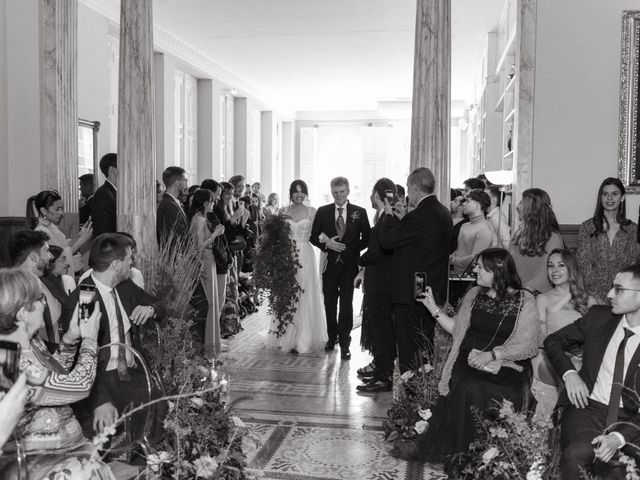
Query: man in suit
(420, 243)
(605, 390)
(376, 304)
(103, 203)
(86, 196)
(170, 215)
(341, 230)
(125, 307)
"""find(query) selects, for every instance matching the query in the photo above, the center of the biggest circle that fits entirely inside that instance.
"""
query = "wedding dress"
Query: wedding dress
(308, 331)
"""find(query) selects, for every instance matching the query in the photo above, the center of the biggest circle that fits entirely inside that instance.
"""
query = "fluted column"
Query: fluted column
(136, 140)
(59, 102)
(431, 87)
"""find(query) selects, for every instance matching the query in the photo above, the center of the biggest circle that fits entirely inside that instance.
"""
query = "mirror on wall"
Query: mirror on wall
(87, 165)
(629, 130)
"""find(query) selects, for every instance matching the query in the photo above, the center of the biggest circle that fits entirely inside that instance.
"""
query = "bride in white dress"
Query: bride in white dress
(308, 330)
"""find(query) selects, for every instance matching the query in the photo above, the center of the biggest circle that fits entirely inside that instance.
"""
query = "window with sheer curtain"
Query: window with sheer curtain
(362, 153)
(186, 124)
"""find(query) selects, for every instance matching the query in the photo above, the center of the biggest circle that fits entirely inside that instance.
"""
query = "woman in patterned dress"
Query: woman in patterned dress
(50, 434)
(608, 241)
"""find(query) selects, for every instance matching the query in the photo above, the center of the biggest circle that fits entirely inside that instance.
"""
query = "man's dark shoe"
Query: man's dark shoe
(366, 375)
(329, 347)
(374, 387)
(367, 370)
(345, 354)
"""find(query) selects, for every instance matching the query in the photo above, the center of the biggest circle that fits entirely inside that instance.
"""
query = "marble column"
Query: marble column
(431, 92)
(136, 132)
(59, 103)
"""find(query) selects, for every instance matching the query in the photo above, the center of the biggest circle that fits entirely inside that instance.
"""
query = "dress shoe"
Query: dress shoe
(329, 347)
(367, 370)
(366, 376)
(373, 387)
(345, 354)
(293, 351)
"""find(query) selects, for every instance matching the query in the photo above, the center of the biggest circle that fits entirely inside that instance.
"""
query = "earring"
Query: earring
(45, 220)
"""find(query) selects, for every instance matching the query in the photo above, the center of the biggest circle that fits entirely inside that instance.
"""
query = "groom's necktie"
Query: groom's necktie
(340, 226)
(618, 378)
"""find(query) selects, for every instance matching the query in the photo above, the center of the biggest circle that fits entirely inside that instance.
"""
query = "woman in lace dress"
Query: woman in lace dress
(308, 330)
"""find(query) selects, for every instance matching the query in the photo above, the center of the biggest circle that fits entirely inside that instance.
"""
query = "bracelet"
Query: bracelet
(436, 314)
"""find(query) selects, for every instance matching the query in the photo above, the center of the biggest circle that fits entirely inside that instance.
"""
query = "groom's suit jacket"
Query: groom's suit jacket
(356, 236)
(593, 333)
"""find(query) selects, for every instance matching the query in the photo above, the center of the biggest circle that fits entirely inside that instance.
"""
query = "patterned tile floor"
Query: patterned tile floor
(306, 417)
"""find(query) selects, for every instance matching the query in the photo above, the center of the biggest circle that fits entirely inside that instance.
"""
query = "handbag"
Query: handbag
(221, 252)
(238, 244)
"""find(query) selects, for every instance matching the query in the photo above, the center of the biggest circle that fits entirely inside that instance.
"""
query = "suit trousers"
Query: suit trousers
(337, 285)
(414, 327)
(378, 311)
(579, 427)
(201, 307)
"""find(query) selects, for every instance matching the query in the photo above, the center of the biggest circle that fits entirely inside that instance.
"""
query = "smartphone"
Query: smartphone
(86, 301)
(390, 196)
(419, 284)
(9, 364)
(240, 203)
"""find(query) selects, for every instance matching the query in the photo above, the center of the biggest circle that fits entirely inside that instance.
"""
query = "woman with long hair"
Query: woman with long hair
(272, 206)
(563, 304)
(202, 202)
(50, 433)
(495, 334)
(45, 212)
(537, 235)
(607, 241)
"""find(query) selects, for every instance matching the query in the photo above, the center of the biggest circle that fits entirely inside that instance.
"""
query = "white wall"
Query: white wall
(577, 88)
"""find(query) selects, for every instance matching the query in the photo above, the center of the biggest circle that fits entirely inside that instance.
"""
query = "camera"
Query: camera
(86, 301)
(419, 285)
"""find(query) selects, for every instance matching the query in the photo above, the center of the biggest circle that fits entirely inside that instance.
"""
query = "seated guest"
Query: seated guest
(497, 219)
(120, 382)
(563, 304)
(45, 212)
(29, 251)
(607, 241)
(12, 405)
(537, 235)
(49, 431)
(495, 333)
(474, 236)
(473, 184)
(599, 405)
(55, 278)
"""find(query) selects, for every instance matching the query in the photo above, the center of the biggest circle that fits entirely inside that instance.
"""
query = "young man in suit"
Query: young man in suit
(103, 203)
(341, 230)
(599, 405)
(170, 215)
(420, 243)
(125, 307)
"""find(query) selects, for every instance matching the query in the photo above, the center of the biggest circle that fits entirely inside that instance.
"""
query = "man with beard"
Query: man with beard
(125, 307)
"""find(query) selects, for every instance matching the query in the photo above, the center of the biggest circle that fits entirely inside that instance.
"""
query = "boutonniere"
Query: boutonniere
(355, 216)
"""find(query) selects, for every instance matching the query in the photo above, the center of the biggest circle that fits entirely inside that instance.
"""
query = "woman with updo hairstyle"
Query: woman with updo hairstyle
(293, 189)
(45, 212)
(537, 235)
(607, 241)
(49, 431)
(495, 334)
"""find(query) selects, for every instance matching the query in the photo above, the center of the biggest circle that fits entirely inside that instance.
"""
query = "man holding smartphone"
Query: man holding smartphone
(420, 243)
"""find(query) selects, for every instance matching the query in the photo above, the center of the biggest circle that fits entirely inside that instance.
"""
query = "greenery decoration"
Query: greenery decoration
(275, 271)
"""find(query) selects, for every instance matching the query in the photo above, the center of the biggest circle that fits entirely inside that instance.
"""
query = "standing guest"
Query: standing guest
(186, 202)
(603, 394)
(159, 193)
(473, 184)
(201, 205)
(238, 191)
(124, 308)
(495, 333)
(475, 235)
(44, 213)
(103, 204)
(56, 279)
(607, 241)
(534, 239)
(272, 206)
(50, 434)
(420, 243)
(86, 195)
(341, 230)
(255, 190)
(377, 318)
(457, 217)
(499, 222)
(402, 195)
(563, 304)
(29, 251)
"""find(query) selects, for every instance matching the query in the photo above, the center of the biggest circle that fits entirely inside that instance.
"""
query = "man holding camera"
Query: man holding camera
(420, 243)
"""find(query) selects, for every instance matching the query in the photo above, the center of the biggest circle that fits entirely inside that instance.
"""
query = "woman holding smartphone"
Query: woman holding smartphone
(495, 334)
(55, 381)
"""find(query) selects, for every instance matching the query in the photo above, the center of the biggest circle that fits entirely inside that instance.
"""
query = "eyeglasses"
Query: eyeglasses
(619, 290)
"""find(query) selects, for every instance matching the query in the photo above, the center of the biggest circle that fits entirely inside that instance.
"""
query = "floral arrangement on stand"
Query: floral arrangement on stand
(511, 446)
(275, 271)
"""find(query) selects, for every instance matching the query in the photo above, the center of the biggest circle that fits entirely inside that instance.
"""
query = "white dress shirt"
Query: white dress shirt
(110, 306)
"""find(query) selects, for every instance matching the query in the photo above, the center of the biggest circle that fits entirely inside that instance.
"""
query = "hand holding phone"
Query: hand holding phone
(9, 364)
(86, 300)
(419, 285)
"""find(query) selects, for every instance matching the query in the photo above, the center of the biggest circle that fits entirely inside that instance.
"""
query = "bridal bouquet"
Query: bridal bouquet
(275, 270)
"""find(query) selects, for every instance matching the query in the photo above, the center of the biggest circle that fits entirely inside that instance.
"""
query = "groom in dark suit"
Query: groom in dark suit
(605, 390)
(341, 230)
